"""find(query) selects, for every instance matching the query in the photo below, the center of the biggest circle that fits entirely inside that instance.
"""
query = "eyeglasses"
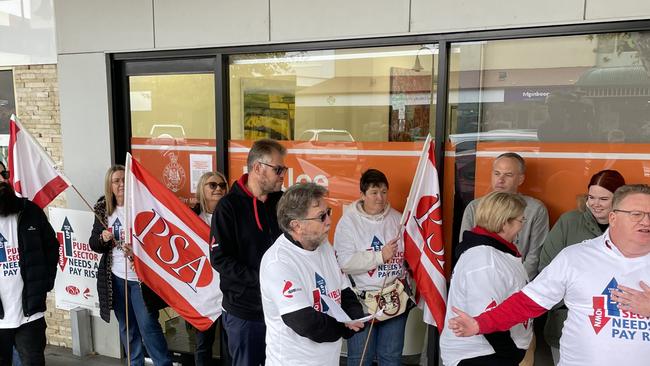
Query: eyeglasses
(278, 169)
(214, 185)
(635, 216)
(4, 174)
(322, 217)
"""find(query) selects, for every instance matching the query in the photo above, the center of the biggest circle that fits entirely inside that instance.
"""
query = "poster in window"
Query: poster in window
(268, 109)
(410, 104)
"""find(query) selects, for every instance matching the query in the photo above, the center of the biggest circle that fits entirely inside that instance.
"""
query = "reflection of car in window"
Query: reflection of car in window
(166, 134)
(326, 135)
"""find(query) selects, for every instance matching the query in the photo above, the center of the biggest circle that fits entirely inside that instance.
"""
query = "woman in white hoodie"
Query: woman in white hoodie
(369, 251)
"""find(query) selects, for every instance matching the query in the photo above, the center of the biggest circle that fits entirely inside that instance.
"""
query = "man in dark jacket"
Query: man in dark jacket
(29, 252)
(244, 226)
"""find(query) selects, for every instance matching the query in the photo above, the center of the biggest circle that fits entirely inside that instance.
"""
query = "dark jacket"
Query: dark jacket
(504, 347)
(104, 281)
(38, 250)
(243, 229)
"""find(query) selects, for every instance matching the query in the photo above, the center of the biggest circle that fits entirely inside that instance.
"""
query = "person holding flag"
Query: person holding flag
(369, 250)
(29, 252)
(116, 275)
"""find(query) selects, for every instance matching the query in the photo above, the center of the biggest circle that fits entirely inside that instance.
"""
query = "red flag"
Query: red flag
(170, 247)
(423, 245)
(31, 170)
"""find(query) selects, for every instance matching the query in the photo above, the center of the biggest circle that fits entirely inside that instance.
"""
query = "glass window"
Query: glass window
(571, 106)
(339, 112)
(173, 128)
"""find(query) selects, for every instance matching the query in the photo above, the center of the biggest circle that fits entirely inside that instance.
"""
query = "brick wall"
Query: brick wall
(37, 107)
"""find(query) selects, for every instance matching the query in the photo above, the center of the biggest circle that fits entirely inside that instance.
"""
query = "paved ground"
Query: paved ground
(59, 356)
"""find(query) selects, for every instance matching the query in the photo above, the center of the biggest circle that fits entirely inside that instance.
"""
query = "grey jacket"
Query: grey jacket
(530, 238)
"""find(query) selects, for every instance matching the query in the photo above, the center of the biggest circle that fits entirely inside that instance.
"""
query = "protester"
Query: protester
(508, 173)
(244, 226)
(489, 269)
(596, 331)
(369, 252)
(29, 252)
(297, 276)
(574, 227)
(116, 268)
(211, 187)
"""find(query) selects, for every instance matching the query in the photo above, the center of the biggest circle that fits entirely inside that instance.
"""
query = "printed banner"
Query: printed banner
(76, 284)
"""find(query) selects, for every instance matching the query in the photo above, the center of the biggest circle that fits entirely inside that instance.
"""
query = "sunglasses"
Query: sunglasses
(278, 169)
(4, 174)
(322, 217)
(214, 185)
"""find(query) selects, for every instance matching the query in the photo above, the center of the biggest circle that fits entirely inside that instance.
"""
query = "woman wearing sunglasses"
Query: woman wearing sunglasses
(369, 251)
(212, 186)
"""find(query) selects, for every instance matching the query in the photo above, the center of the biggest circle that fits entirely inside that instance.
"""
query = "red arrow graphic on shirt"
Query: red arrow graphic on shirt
(599, 319)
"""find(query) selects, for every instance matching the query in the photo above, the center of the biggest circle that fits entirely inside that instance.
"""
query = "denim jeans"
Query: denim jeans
(246, 340)
(385, 344)
(29, 341)
(143, 325)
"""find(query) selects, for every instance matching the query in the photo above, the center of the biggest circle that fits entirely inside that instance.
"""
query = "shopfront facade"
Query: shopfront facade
(187, 88)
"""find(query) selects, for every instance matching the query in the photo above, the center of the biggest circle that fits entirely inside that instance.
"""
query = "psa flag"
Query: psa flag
(31, 170)
(423, 246)
(170, 247)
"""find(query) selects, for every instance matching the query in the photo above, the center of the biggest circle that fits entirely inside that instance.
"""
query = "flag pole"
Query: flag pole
(416, 180)
(127, 234)
(372, 322)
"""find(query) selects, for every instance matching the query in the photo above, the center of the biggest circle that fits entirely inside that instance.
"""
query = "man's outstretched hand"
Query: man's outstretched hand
(463, 325)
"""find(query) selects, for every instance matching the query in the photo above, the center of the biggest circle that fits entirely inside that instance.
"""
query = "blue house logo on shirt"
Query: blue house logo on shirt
(117, 229)
(3, 249)
(322, 288)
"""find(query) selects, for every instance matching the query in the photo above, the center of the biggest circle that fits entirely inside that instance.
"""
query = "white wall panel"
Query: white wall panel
(445, 15)
(620, 9)
(100, 25)
(83, 93)
(306, 20)
(210, 23)
(27, 32)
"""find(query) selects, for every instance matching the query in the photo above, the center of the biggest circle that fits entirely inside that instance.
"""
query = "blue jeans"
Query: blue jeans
(385, 344)
(143, 325)
(246, 341)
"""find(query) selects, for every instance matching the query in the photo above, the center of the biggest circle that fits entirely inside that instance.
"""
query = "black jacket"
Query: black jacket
(104, 281)
(243, 229)
(38, 249)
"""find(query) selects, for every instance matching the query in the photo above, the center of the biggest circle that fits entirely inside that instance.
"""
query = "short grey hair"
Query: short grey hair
(263, 148)
(516, 157)
(295, 202)
(626, 190)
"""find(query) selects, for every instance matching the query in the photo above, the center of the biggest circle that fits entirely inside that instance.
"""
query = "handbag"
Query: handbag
(393, 300)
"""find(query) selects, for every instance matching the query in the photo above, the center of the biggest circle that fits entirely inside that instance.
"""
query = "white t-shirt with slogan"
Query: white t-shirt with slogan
(121, 266)
(11, 282)
(596, 332)
(291, 279)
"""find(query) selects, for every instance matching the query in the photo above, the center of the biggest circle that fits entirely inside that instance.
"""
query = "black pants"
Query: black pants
(491, 360)
(29, 340)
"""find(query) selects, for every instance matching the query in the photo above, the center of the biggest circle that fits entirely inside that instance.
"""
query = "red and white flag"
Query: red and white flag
(170, 247)
(31, 170)
(423, 244)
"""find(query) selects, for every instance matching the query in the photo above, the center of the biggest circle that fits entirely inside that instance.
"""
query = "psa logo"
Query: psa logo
(172, 249)
(289, 290)
(74, 291)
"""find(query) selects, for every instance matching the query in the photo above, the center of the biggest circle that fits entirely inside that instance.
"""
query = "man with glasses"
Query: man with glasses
(301, 284)
(601, 328)
(508, 173)
(244, 226)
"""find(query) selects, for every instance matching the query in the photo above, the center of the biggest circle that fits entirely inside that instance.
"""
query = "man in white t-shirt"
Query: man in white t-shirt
(599, 330)
(301, 285)
(29, 252)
